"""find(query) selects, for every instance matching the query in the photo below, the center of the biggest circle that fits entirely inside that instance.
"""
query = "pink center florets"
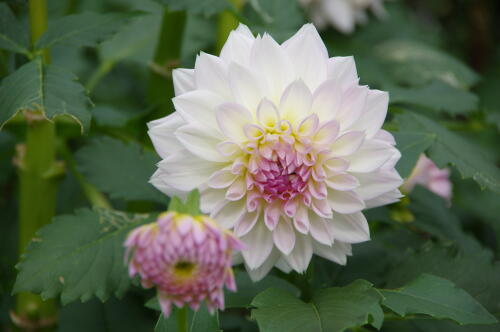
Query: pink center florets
(281, 178)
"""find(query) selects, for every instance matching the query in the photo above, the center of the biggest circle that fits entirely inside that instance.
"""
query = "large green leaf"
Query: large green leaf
(450, 148)
(437, 96)
(280, 18)
(439, 298)
(79, 256)
(84, 29)
(205, 7)
(332, 309)
(415, 63)
(120, 169)
(137, 40)
(123, 315)
(49, 89)
(13, 34)
(411, 145)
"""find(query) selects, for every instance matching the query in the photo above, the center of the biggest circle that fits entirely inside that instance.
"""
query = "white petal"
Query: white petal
(228, 213)
(284, 236)
(200, 142)
(283, 265)
(231, 118)
(237, 189)
(161, 132)
(301, 219)
(211, 74)
(384, 199)
(309, 55)
(350, 228)
(259, 244)
(272, 64)
(340, 13)
(210, 198)
(301, 254)
(246, 87)
(370, 156)
(327, 133)
(238, 46)
(353, 104)
(185, 171)
(335, 253)
(320, 230)
(374, 113)
(342, 182)
(183, 80)
(342, 69)
(157, 180)
(345, 201)
(246, 223)
(348, 143)
(263, 270)
(268, 114)
(199, 107)
(296, 102)
(327, 99)
(222, 178)
(378, 183)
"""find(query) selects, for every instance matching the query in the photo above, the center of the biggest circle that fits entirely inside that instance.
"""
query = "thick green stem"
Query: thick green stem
(182, 319)
(227, 23)
(167, 57)
(38, 172)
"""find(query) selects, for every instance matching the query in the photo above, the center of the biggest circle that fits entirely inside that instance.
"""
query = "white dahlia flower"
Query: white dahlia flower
(342, 14)
(284, 145)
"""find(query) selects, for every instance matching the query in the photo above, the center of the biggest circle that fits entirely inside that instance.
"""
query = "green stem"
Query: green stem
(227, 22)
(38, 172)
(182, 319)
(167, 57)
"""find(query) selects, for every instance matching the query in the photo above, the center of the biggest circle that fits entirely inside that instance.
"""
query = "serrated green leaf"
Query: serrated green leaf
(79, 256)
(450, 148)
(280, 18)
(84, 29)
(332, 309)
(13, 34)
(415, 63)
(411, 145)
(115, 315)
(49, 89)
(205, 7)
(437, 96)
(247, 289)
(190, 206)
(120, 169)
(439, 298)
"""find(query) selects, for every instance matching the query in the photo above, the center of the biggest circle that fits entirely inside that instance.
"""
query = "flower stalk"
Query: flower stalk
(182, 319)
(38, 173)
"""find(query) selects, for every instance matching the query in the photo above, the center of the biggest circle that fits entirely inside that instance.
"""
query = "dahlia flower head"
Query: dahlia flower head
(284, 145)
(428, 175)
(342, 14)
(188, 260)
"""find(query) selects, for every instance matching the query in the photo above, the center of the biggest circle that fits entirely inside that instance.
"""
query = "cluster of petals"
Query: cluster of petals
(187, 259)
(342, 14)
(284, 145)
(428, 175)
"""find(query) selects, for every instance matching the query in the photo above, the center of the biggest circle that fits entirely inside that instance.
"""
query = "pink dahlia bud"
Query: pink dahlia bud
(427, 174)
(188, 260)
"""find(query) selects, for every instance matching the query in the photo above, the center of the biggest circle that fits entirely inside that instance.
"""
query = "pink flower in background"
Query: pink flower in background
(187, 259)
(342, 14)
(428, 175)
(284, 145)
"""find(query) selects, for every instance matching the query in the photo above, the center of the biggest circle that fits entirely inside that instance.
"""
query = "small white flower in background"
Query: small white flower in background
(284, 145)
(428, 175)
(342, 14)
